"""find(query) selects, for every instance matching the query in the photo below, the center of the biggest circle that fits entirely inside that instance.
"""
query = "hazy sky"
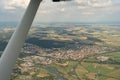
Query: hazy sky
(73, 11)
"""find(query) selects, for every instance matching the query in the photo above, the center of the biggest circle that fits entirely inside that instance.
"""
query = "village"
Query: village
(48, 56)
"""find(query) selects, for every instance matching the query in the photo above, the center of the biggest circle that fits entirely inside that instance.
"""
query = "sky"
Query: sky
(84, 11)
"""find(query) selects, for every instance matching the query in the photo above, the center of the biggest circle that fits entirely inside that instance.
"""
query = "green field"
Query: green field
(100, 45)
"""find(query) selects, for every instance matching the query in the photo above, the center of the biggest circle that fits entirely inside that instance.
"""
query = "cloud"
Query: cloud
(101, 3)
(14, 4)
(48, 4)
(88, 13)
(94, 3)
(77, 10)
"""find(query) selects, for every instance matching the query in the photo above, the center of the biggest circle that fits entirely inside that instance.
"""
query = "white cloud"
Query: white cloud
(47, 4)
(76, 8)
(88, 13)
(101, 3)
(94, 3)
(13, 4)
(63, 9)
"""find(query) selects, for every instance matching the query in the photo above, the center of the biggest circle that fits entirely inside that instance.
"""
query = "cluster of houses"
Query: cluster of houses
(47, 56)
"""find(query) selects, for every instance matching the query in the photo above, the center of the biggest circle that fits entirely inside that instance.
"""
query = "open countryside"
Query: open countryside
(65, 51)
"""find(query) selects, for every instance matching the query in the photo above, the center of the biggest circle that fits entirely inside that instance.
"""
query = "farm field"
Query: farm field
(67, 52)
